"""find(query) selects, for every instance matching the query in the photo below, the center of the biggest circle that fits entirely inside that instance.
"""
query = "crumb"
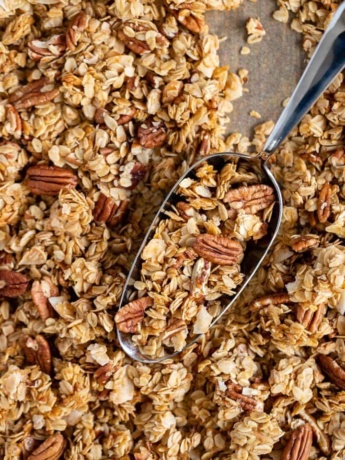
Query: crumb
(255, 114)
(245, 50)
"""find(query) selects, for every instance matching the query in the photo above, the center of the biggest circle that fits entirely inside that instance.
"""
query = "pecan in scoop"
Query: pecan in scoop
(304, 243)
(51, 449)
(299, 445)
(251, 199)
(49, 180)
(129, 317)
(218, 249)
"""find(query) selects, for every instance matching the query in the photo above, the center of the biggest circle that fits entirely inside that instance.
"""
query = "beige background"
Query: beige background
(275, 64)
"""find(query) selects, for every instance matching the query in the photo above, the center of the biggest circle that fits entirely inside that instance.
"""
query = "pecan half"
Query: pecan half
(106, 210)
(131, 315)
(310, 319)
(51, 449)
(152, 134)
(12, 284)
(234, 391)
(271, 299)
(49, 180)
(330, 367)
(188, 17)
(133, 35)
(37, 351)
(324, 203)
(220, 250)
(41, 291)
(299, 445)
(54, 47)
(304, 243)
(104, 373)
(33, 94)
(77, 25)
(251, 199)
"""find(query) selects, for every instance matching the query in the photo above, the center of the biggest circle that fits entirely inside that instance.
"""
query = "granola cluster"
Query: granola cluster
(103, 105)
(192, 265)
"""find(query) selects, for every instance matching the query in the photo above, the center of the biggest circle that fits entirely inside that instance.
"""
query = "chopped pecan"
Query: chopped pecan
(337, 159)
(187, 15)
(299, 445)
(77, 25)
(271, 299)
(14, 122)
(49, 180)
(251, 199)
(205, 144)
(6, 261)
(133, 35)
(106, 210)
(324, 203)
(33, 94)
(41, 291)
(310, 319)
(152, 134)
(171, 91)
(51, 449)
(37, 351)
(131, 315)
(188, 254)
(185, 210)
(137, 175)
(330, 367)
(132, 83)
(234, 391)
(304, 243)
(12, 284)
(313, 158)
(126, 118)
(200, 275)
(99, 116)
(220, 250)
(54, 47)
(29, 445)
(104, 373)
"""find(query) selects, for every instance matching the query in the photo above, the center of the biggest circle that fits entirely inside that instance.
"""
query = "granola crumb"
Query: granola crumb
(255, 31)
(245, 50)
(255, 114)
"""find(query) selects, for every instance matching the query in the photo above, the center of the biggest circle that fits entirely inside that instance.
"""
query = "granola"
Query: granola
(124, 126)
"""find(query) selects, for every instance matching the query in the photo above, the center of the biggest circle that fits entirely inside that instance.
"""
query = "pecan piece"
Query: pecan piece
(220, 250)
(152, 134)
(324, 203)
(14, 122)
(321, 437)
(77, 25)
(51, 449)
(299, 445)
(251, 199)
(49, 180)
(33, 94)
(188, 17)
(205, 144)
(41, 291)
(54, 47)
(12, 284)
(37, 351)
(234, 391)
(310, 319)
(29, 445)
(126, 118)
(271, 299)
(133, 35)
(188, 254)
(185, 210)
(304, 243)
(106, 210)
(335, 373)
(104, 373)
(137, 175)
(99, 116)
(337, 159)
(131, 315)
(200, 275)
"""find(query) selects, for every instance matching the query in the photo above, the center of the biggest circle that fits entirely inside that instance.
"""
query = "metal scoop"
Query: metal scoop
(327, 61)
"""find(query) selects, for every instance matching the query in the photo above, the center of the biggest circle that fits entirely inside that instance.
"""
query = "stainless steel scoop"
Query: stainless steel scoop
(328, 60)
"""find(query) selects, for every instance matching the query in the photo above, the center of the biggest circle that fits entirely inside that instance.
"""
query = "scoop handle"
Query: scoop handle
(327, 61)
